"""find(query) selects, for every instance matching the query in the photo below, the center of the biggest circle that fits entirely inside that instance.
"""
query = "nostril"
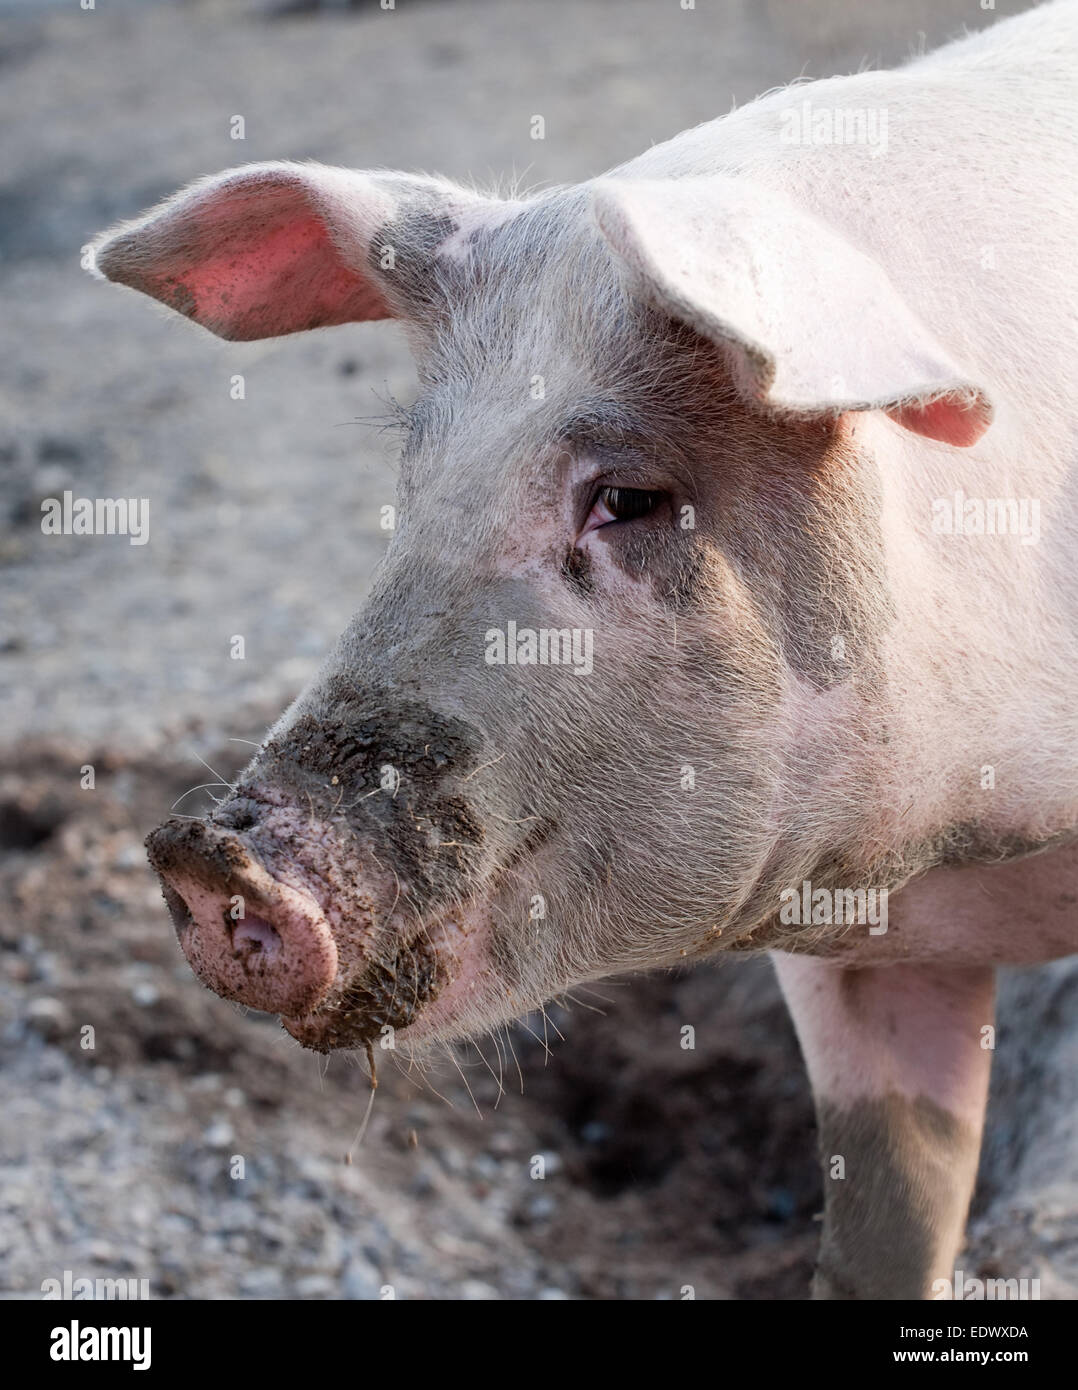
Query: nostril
(240, 815)
(255, 936)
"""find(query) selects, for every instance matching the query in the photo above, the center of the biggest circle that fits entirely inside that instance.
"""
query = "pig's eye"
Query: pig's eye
(622, 504)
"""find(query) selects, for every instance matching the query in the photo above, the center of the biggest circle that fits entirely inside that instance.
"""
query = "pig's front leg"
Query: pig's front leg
(899, 1065)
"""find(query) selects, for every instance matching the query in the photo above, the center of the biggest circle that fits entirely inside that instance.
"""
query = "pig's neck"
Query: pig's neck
(963, 746)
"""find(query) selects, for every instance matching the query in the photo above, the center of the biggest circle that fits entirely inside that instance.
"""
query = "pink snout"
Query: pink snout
(246, 936)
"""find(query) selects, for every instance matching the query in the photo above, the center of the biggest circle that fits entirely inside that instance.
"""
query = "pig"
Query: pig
(689, 639)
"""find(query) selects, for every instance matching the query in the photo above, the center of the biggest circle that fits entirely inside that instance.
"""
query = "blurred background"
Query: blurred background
(664, 1168)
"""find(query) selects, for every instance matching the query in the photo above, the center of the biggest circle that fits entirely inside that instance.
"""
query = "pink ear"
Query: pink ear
(266, 249)
(950, 420)
(809, 323)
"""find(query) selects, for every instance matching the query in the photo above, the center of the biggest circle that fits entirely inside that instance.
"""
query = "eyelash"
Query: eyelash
(639, 502)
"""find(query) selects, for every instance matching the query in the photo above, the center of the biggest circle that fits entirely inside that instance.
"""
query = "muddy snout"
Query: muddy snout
(248, 936)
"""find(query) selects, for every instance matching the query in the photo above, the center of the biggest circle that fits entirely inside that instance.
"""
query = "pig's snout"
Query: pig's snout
(246, 935)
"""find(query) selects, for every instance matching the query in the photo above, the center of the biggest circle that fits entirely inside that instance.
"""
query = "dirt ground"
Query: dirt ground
(127, 1092)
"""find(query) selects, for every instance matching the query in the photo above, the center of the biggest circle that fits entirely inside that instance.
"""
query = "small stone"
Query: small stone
(219, 1134)
(47, 1017)
(360, 1280)
(475, 1290)
(314, 1286)
(264, 1283)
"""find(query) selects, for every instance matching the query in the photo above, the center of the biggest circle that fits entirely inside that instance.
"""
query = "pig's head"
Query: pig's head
(637, 537)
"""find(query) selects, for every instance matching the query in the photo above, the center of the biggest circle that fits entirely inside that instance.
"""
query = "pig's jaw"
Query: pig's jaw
(445, 998)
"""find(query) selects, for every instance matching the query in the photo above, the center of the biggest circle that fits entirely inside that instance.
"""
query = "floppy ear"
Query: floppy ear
(272, 248)
(810, 323)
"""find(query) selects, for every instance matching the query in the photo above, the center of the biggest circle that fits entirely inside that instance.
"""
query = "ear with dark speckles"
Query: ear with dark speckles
(274, 248)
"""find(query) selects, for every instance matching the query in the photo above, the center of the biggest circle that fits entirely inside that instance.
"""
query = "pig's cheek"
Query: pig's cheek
(598, 557)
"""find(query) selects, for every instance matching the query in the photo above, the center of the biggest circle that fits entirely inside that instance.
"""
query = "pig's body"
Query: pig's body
(706, 410)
